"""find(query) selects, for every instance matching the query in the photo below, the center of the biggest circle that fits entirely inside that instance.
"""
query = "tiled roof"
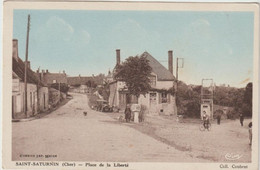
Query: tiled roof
(162, 73)
(83, 80)
(78, 80)
(18, 69)
(58, 77)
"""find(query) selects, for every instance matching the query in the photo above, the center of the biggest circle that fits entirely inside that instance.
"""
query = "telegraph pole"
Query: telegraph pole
(26, 66)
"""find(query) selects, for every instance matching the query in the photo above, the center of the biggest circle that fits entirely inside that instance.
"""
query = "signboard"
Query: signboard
(16, 85)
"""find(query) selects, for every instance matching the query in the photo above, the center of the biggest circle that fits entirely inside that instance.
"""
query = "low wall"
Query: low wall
(55, 96)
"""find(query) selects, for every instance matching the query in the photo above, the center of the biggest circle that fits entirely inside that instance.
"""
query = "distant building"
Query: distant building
(159, 99)
(109, 77)
(50, 78)
(83, 80)
(37, 93)
(79, 80)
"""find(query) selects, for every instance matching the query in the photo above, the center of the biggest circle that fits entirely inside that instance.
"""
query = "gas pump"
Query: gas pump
(206, 102)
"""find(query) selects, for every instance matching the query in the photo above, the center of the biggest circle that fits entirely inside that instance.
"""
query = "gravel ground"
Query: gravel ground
(214, 145)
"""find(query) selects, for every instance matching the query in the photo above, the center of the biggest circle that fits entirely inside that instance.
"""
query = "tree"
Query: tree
(135, 72)
(247, 106)
(63, 87)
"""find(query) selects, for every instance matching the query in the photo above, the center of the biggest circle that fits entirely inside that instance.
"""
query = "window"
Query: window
(163, 97)
(153, 81)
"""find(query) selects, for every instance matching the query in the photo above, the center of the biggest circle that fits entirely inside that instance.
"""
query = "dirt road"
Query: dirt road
(66, 134)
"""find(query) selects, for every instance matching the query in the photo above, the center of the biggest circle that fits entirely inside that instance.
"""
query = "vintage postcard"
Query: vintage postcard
(130, 85)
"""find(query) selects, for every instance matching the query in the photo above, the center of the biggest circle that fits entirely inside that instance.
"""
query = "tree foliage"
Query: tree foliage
(228, 96)
(135, 72)
(188, 100)
(240, 99)
(63, 87)
(247, 100)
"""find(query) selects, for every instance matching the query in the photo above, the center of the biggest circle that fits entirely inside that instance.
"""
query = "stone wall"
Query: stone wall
(43, 99)
(55, 96)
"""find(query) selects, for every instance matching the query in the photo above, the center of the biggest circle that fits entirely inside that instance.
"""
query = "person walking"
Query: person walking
(218, 118)
(127, 114)
(205, 118)
(241, 119)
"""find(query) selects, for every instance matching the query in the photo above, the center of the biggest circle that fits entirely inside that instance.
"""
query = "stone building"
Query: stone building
(159, 100)
(49, 78)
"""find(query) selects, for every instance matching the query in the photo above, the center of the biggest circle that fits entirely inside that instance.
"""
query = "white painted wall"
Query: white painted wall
(164, 84)
(31, 90)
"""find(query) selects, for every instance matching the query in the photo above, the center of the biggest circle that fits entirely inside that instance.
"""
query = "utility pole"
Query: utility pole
(177, 70)
(26, 67)
(59, 93)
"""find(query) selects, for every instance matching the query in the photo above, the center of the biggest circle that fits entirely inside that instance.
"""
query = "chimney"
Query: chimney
(41, 76)
(47, 71)
(15, 49)
(63, 72)
(117, 56)
(170, 59)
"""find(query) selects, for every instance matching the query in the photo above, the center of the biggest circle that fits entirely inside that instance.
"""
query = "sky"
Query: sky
(217, 45)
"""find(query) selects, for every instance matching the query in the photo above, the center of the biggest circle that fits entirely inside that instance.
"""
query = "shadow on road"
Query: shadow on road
(147, 130)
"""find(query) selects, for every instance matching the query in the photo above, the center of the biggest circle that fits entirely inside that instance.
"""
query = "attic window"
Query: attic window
(153, 81)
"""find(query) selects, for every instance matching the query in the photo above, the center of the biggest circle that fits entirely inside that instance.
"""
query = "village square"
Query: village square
(141, 109)
(79, 124)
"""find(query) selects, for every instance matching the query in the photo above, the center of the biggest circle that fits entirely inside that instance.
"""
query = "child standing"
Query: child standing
(250, 133)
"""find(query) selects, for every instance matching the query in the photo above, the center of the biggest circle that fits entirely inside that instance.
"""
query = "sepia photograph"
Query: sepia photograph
(117, 84)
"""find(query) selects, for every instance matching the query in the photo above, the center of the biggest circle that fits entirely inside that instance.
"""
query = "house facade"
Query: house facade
(18, 98)
(37, 94)
(159, 100)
